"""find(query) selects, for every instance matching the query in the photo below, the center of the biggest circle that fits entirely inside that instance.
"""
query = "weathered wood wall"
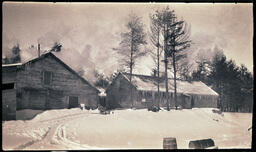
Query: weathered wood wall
(9, 104)
(54, 96)
(9, 74)
(205, 101)
(118, 95)
(9, 96)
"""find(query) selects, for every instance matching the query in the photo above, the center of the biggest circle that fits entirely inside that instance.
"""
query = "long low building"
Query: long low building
(143, 90)
(44, 83)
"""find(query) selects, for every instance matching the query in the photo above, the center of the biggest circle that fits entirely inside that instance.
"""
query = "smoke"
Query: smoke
(204, 46)
(79, 51)
(79, 61)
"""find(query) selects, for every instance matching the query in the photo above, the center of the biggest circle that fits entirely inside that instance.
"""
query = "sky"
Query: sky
(89, 31)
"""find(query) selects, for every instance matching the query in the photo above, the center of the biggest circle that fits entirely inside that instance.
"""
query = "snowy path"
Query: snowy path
(54, 136)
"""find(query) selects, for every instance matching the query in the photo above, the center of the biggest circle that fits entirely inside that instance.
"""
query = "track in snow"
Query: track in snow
(55, 136)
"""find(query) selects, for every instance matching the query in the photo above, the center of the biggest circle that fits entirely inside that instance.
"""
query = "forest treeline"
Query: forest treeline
(233, 83)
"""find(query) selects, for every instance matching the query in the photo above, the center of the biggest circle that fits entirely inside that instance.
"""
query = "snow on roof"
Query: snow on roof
(9, 65)
(149, 83)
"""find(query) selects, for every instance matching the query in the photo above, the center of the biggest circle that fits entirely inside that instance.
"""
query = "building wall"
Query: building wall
(9, 104)
(30, 86)
(119, 96)
(8, 74)
(205, 101)
(8, 96)
(199, 101)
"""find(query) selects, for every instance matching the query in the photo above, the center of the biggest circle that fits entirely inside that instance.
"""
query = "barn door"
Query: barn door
(192, 102)
(37, 99)
(73, 102)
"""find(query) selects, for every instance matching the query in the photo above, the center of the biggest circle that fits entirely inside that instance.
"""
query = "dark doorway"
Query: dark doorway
(103, 101)
(73, 102)
(192, 102)
(7, 86)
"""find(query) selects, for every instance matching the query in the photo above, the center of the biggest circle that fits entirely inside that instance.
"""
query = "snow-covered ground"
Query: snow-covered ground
(125, 129)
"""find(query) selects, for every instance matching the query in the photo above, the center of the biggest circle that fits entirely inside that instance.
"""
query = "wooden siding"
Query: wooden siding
(118, 95)
(8, 74)
(9, 104)
(63, 84)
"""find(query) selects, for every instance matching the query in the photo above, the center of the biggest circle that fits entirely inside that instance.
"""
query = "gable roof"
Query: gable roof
(149, 83)
(63, 64)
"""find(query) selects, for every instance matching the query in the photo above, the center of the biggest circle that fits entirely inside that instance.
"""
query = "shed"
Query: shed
(144, 92)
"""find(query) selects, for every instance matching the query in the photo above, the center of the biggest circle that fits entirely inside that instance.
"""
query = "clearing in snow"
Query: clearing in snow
(67, 129)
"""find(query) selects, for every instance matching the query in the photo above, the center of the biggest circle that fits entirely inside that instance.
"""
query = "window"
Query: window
(47, 77)
(8, 86)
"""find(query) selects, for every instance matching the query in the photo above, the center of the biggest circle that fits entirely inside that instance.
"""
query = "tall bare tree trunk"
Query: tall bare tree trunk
(166, 66)
(131, 64)
(175, 85)
(158, 69)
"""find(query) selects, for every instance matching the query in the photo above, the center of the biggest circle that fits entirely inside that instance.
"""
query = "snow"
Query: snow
(102, 92)
(14, 64)
(149, 83)
(66, 129)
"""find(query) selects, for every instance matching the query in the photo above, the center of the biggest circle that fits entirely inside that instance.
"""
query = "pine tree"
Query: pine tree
(178, 42)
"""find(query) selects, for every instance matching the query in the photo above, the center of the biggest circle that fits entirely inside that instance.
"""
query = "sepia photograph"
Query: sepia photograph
(111, 76)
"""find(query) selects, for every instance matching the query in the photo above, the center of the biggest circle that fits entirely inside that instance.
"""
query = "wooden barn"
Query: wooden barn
(144, 93)
(44, 83)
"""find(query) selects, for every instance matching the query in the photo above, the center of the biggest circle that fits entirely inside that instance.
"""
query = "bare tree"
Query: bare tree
(162, 20)
(130, 45)
(155, 36)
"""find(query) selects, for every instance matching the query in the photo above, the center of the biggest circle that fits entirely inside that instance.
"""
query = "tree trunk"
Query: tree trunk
(166, 66)
(174, 72)
(158, 69)
(131, 64)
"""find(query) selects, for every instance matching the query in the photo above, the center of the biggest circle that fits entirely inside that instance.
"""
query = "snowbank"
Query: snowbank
(27, 114)
(58, 113)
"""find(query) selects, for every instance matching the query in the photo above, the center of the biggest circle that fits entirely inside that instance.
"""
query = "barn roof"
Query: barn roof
(62, 63)
(149, 83)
